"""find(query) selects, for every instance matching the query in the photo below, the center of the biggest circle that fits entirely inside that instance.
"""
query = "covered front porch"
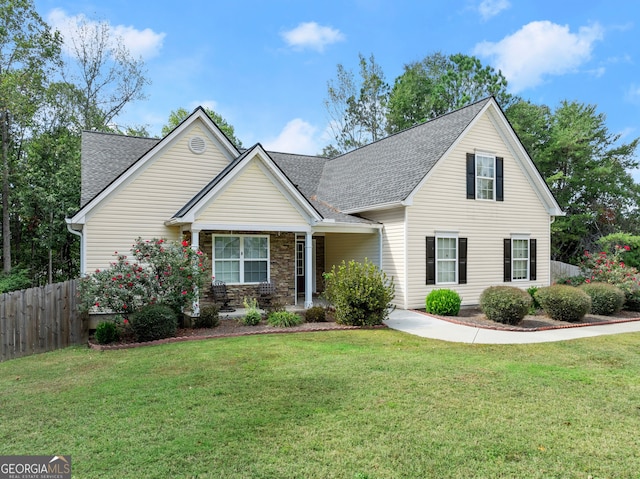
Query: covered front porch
(293, 261)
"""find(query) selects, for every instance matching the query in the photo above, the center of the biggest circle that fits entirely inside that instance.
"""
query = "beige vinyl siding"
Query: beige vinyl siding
(350, 246)
(441, 205)
(252, 198)
(141, 205)
(393, 248)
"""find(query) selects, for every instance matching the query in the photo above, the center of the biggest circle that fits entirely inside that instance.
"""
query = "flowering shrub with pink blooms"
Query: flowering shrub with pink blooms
(158, 272)
(610, 268)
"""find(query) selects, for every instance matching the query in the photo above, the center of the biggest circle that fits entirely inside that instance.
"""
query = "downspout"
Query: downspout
(82, 258)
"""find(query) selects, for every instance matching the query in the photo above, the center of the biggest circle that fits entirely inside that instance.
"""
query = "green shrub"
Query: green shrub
(253, 316)
(505, 304)
(107, 332)
(16, 280)
(606, 299)
(444, 302)
(571, 280)
(284, 319)
(316, 314)
(154, 322)
(564, 303)
(209, 317)
(360, 292)
(274, 306)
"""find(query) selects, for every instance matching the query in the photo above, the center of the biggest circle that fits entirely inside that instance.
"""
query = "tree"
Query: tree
(586, 168)
(357, 110)
(439, 84)
(28, 50)
(177, 116)
(107, 78)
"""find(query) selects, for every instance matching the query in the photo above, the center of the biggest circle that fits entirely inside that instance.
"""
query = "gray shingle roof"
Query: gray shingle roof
(105, 156)
(388, 170)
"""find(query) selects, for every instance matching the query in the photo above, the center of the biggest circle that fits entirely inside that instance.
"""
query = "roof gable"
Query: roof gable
(388, 170)
(120, 158)
(202, 200)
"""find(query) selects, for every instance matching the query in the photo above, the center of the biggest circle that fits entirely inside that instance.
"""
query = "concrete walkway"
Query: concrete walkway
(429, 327)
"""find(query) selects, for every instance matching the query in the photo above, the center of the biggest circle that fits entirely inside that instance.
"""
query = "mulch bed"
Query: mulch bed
(474, 317)
(227, 328)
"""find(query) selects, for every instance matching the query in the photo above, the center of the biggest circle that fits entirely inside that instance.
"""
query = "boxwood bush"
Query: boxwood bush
(606, 299)
(107, 332)
(505, 304)
(316, 314)
(564, 303)
(154, 322)
(444, 302)
(209, 317)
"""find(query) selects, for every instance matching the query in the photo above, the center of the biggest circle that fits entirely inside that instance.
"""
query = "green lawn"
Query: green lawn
(340, 404)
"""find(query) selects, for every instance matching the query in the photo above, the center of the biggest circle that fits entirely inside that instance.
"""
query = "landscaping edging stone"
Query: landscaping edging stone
(196, 337)
(505, 327)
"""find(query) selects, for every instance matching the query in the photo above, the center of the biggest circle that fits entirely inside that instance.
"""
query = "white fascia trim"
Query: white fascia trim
(510, 139)
(251, 227)
(163, 144)
(347, 228)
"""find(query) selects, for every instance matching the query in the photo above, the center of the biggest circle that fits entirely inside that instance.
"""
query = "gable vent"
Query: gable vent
(197, 145)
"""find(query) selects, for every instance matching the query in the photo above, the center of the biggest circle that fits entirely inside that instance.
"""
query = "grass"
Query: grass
(342, 404)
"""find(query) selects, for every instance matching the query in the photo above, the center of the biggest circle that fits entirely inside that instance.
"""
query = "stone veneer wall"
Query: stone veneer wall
(282, 255)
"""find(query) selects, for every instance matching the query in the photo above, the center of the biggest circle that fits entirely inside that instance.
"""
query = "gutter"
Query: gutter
(79, 234)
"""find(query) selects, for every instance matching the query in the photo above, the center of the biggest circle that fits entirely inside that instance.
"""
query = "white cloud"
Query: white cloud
(539, 49)
(633, 93)
(490, 8)
(298, 136)
(313, 36)
(140, 43)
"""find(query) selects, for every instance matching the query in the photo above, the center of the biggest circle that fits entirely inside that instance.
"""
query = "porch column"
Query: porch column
(195, 245)
(308, 270)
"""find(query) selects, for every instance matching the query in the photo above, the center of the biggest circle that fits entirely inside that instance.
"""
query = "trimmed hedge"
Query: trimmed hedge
(564, 303)
(505, 304)
(606, 299)
(316, 314)
(209, 317)
(154, 322)
(444, 302)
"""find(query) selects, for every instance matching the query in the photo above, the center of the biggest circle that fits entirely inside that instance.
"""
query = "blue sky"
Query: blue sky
(264, 65)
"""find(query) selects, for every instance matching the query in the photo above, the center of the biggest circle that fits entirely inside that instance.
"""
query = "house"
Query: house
(455, 203)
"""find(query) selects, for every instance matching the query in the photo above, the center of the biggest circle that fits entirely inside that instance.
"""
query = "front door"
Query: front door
(300, 266)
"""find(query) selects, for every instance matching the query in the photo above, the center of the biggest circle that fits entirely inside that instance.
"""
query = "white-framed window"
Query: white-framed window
(485, 176)
(446, 259)
(241, 259)
(519, 258)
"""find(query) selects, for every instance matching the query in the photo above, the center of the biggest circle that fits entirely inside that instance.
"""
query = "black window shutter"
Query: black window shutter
(471, 176)
(431, 260)
(532, 259)
(499, 179)
(462, 260)
(507, 260)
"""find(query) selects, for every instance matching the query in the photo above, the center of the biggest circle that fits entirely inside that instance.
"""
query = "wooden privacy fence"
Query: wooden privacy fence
(42, 319)
(559, 270)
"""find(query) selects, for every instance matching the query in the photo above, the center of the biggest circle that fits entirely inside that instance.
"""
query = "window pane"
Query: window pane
(255, 271)
(446, 248)
(520, 249)
(485, 188)
(520, 269)
(484, 166)
(227, 271)
(446, 272)
(255, 248)
(227, 247)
